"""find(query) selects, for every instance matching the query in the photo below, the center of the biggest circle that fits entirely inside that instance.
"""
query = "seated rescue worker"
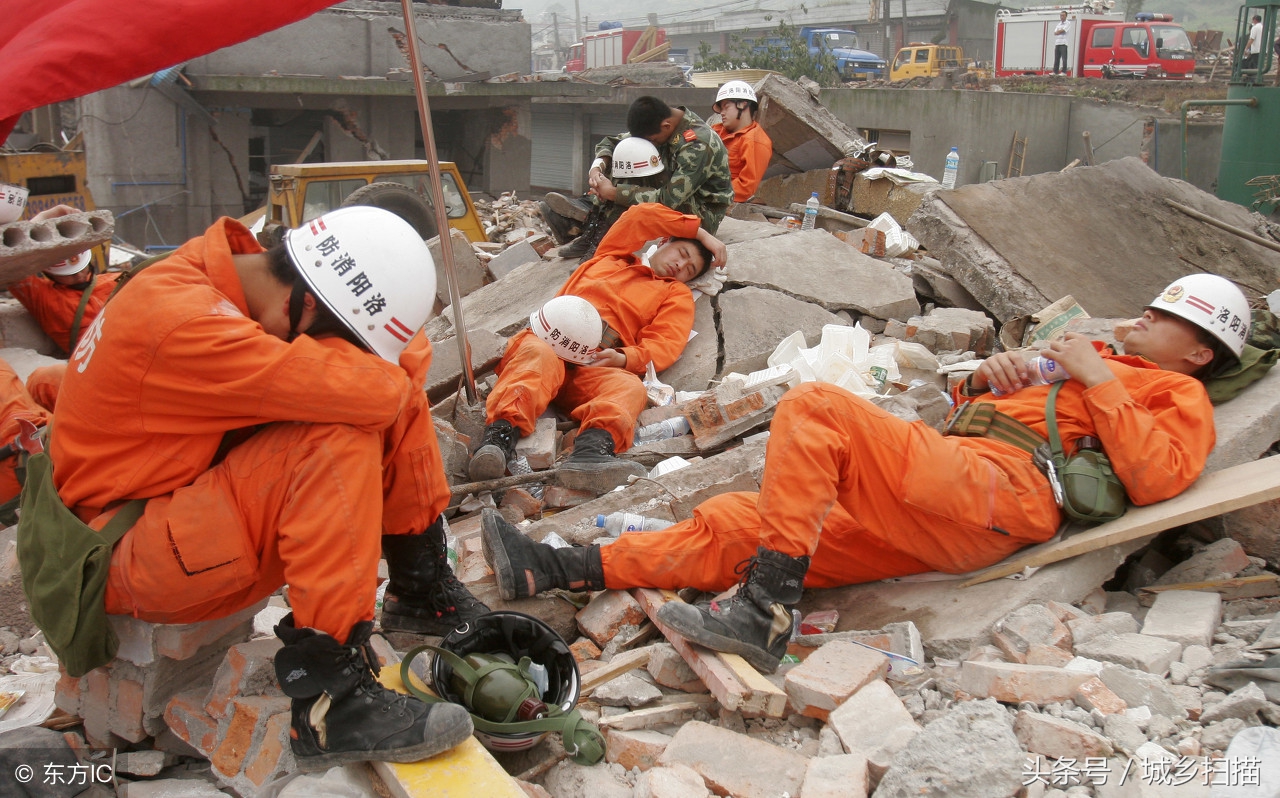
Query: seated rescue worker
(16, 406)
(697, 182)
(750, 148)
(648, 308)
(270, 408)
(853, 494)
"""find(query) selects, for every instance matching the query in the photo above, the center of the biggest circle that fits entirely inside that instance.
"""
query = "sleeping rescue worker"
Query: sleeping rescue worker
(647, 305)
(270, 408)
(750, 148)
(853, 494)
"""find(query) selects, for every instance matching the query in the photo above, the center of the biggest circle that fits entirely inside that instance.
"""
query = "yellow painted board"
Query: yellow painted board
(466, 771)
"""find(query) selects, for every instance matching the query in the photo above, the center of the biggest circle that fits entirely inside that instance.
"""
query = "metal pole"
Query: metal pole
(442, 217)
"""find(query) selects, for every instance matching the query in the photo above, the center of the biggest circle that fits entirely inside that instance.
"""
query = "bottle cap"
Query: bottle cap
(600, 521)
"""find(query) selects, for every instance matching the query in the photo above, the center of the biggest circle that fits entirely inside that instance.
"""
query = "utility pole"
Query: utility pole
(577, 20)
(888, 45)
(555, 39)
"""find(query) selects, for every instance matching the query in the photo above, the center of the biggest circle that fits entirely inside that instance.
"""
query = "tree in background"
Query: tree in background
(783, 50)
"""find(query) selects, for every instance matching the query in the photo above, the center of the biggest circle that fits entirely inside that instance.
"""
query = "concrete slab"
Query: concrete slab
(28, 247)
(817, 267)
(698, 364)
(1103, 234)
(754, 321)
(1247, 425)
(503, 307)
(736, 231)
(805, 134)
(446, 366)
(467, 268)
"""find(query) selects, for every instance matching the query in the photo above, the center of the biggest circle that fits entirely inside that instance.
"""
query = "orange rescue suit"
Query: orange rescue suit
(15, 403)
(651, 315)
(54, 305)
(265, 462)
(750, 150)
(869, 496)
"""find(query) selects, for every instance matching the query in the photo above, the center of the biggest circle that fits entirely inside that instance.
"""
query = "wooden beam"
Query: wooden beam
(1213, 494)
(620, 664)
(648, 717)
(1230, 589)
(735, 684)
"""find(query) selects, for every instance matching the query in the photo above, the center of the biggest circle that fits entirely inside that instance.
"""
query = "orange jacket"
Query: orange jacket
(54, 305)
(1155, 425)
(174, 362)
(652, 315)
(750, 151)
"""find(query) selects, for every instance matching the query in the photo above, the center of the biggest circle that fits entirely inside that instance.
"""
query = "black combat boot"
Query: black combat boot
(525, 568)
(563, 228)
(593, 466)
(497, 448)
(584, 246)
(755, 622)
(341, 714)
(423, 596)
(576, 208)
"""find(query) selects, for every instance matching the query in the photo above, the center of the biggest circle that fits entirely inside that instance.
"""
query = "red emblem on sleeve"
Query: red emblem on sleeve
(689, 135)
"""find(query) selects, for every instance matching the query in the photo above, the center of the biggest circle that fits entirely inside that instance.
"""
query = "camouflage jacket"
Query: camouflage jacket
(698, 180)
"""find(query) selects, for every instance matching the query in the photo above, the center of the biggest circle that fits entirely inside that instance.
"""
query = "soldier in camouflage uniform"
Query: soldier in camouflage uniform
(697, 179)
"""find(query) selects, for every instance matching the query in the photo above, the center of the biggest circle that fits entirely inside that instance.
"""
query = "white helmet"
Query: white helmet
(571, 326)
(1212, 303)
(636, 157)
(734, 90)
(371, 269)
(70, 266)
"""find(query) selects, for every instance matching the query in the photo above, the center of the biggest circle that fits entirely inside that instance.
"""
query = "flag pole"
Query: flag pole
(442, 217)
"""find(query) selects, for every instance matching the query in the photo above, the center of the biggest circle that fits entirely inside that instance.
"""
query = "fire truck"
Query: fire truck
(616, 47)
(1100, 43)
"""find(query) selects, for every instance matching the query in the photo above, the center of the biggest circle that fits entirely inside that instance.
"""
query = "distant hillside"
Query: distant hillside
(1197, 14)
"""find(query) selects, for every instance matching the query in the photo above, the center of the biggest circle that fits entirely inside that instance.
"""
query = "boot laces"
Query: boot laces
(449, 595)
(743, 570)
(363, 656)
(501, 435)
(592, 445)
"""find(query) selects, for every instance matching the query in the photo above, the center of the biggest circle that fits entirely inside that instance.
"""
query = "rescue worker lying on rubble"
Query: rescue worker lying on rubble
(853, 494)
(270, 407)
(648, 308)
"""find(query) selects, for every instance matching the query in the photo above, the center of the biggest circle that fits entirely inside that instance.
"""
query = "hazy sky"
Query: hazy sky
(632, 12)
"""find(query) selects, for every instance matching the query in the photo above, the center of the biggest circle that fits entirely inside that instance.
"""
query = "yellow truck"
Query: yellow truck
(929, 60)
(299, 193)
(53, 176)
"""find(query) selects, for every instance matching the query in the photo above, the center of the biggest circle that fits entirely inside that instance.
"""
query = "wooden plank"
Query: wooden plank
(1213, 494)
(647, 718)
(735, 684)
(620, 664)
(1242, 587)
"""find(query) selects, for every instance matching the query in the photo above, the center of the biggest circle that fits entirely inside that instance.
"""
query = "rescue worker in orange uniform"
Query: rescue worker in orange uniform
(649, 311)
(16, 405)
(852, 494)
(750, 148)
(270, 408)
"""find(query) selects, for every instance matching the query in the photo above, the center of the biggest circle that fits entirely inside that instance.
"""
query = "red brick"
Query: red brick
(1093, 694)
(125, 716)
(273, 755)
(1039, 654)
(67, 693)
(246, 717)
(583, 650)
(830, 675)
(181, 641)
(187, 719)
(639, 748)
(1012, 683)
(247, 669)
(95, 704)
(607, 614)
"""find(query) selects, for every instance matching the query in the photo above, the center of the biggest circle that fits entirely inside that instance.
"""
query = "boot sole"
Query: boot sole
(487, 463)
(495, 554)
(413, 753)
(566, 207)
(684, 624)
(598, 479)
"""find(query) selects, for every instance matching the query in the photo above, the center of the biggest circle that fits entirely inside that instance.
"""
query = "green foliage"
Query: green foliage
(782, 50)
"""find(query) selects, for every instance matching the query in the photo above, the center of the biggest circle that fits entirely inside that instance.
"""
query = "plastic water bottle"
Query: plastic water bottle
(672, 427)
(617, 523)
(519, 465)
(1041, 371)
(952, 168)
(810, 213)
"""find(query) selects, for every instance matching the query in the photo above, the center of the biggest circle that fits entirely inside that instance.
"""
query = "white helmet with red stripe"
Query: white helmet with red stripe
(572, 327)
(69, 266)
(371, 269)
(1212, 303)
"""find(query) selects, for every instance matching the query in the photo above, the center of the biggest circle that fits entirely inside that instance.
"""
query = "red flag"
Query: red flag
(54, 50)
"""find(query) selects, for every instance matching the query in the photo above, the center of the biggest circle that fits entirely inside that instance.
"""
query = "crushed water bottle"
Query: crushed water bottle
(672, 427)
(519, 465)
(1040, 371)
(617, 523)
(810, 212)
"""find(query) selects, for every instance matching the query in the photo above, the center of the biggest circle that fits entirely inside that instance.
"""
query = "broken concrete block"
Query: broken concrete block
(875, 724)
(1094, 694)
(805, 133)
(627, 690)
(754, 321)
(24, 345)
(1111, 623)
(1059, 738)
(1187, 617)
(970, 751)
(830, 675)
(640, 748)
(559, 497)
(670, 781)
(730, 763)
(953, 330)
(1247, 425)
(696, 366)
(513, 257)
(874, 197)
(445, 374)
(669, 669)
(467, 267)
(501, 310)
(571, 779)
(540, 447)
(1033, 625)
(608, 612)
(841, 776)
(143, 643)
(1139, 688)
(247, 669)
(1221, 559)
(1243, 703)
(1142, 652)
(818, 268)
(1013, 683)
(28, 247)
(719, 416)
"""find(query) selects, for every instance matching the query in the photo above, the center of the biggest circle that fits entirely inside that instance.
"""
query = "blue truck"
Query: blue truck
(853, 63)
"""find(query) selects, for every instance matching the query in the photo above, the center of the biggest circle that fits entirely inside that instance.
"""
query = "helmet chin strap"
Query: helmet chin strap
(296, 306)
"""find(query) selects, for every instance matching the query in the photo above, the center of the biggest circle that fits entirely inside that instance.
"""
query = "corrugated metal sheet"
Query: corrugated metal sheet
(552, 149)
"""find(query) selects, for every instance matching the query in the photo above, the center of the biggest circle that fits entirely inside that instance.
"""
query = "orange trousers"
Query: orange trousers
(530, 377)
(298, 504)
(15, 403)
(866, 495)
